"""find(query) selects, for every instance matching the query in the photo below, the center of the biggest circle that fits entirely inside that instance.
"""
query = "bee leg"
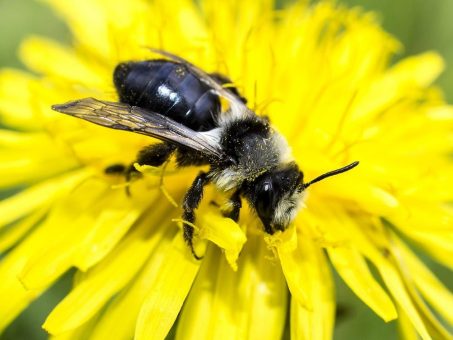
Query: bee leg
(129, 173)
(191, 201)
(236, 205)
(153, 155)
(188, 157)
(115, 169)
(224, 80)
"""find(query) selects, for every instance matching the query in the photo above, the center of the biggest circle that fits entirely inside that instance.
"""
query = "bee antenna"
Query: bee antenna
(331, 173)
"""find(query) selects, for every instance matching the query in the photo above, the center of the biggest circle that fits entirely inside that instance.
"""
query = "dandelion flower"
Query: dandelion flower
(322, 73)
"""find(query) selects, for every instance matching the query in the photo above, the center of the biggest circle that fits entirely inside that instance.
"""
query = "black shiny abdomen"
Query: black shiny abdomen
(168, 88)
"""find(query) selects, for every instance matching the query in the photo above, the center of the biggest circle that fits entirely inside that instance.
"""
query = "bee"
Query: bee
(178, 103)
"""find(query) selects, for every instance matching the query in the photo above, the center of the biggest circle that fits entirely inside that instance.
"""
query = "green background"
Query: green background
(420, 25)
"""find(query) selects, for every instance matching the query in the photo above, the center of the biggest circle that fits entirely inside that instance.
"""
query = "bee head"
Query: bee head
(277, 194)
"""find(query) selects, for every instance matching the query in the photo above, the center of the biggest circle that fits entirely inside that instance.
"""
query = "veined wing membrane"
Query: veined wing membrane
(132, 118)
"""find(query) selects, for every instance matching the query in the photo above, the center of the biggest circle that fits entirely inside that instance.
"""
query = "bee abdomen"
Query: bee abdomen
(168, 88)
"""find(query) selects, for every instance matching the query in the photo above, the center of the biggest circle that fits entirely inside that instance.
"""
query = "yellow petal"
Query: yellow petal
(39, 54)
(310, 282)
(113, 25)
(18, 230)
(37, 196)
(82, 332)
(167, 293)
(27, 170)
(111, 225)
(14, 295)
(354, 271)
(432, 289)
(438, 245)
(401, 296)
(405, 327)
(224, 232)
(23, 159)
(433, 325)
(114, 323)
(77, 213)
(99, 284)
(373, 199)
(22, 140)
(420, 70)
(224, 304)
(291, 261)
(404, 77)
(15, 108)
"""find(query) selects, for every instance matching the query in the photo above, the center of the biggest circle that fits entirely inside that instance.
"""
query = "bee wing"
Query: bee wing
(132, 118)
(237, 106)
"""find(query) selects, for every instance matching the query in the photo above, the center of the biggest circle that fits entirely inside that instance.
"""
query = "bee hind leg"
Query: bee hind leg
(115, 169)
(191, 202)
(152, 155)
(224, 80)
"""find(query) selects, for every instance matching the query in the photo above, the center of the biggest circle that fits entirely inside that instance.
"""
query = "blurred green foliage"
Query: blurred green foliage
(21, 18)
(419, 24)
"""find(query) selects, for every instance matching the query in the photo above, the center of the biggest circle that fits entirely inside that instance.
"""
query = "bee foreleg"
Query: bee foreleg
(235, 206)
(191, 202)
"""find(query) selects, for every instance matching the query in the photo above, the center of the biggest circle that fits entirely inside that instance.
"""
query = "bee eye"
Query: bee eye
(264, 200)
